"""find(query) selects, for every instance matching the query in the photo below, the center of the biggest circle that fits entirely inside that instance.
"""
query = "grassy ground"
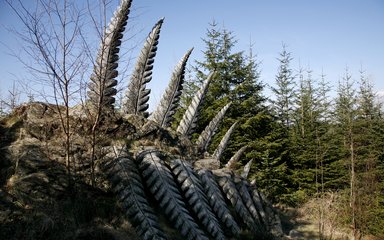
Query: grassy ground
(304, 222)
(296, 226)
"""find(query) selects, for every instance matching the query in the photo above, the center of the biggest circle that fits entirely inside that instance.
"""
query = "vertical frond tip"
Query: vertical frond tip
(137, 94)
(101, 88)
(206, 136)
(171, 97)
(188, 122)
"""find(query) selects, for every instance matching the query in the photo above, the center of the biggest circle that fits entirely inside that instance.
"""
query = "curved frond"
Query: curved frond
(228, 186)
(162, 186)
(272, 219)
(127, 185)
(101, 88)
(169, 102)
(257, 200)
(246, 169)
(224, 142)
(243, 188)
(196, 198)
(188, 122)
(206, 136)
(217, 202)
(231, 164)
(137, 94)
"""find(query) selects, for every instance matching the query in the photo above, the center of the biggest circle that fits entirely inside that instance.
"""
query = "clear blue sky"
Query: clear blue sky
(322, 34)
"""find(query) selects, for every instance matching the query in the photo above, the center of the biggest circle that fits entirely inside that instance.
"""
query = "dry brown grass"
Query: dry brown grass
(324, 217)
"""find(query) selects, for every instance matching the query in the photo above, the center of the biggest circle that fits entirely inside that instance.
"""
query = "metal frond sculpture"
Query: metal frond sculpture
(194, 201)
(163, 193)
(156, 174)
(137, 95)
(171, 98)
(102, 82)
(188, 122)
(224, 142)
(206, 136)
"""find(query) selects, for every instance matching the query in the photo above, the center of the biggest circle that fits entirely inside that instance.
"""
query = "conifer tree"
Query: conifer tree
(305, 115)
(277, 137)
(368, 108)
(236, 80)
(369, 168)
(272, 159)
(345, 117)
(284, 89)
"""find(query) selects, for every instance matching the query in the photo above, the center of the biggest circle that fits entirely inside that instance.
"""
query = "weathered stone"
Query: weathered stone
(207, 163)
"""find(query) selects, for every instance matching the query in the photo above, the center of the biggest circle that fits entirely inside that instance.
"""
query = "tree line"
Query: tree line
(308, 139)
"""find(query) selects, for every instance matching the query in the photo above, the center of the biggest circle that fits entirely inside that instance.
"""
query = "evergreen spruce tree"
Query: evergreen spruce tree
(316, 165)
(278, 140)
(272, 160)
(369, 165)
(284, 89)
(346, 111)
(304, 139)
(330, 171)
(368, 108)
(236, 80)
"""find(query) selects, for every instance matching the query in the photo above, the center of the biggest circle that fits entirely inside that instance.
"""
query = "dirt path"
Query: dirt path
(299, 223)
(296, 226)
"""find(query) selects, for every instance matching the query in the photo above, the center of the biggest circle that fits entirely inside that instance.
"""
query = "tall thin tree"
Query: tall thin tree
(51, 39)
(284, 89)
(346, 116)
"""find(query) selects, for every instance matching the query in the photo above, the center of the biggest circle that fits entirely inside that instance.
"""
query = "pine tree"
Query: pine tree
(304, 139)
(217, 58)
(346, 116)
(369, 167)
(272, 159)
(330, 170)
(368, 108)
(236, 80)
(284, 89)
(272, 151)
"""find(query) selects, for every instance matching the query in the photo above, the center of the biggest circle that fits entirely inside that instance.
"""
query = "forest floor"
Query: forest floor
(297, 226)
(303, 222)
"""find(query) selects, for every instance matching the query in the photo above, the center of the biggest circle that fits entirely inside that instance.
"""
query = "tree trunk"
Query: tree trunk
(353, 185)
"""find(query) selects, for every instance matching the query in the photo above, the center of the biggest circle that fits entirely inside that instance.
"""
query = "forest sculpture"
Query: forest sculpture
(197, 212)
(158, 173)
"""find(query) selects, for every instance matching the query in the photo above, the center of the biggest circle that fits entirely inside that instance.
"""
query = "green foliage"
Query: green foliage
(369, 138)
(236, 80)
(272, 159)
(284, 90)
(306, 143)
